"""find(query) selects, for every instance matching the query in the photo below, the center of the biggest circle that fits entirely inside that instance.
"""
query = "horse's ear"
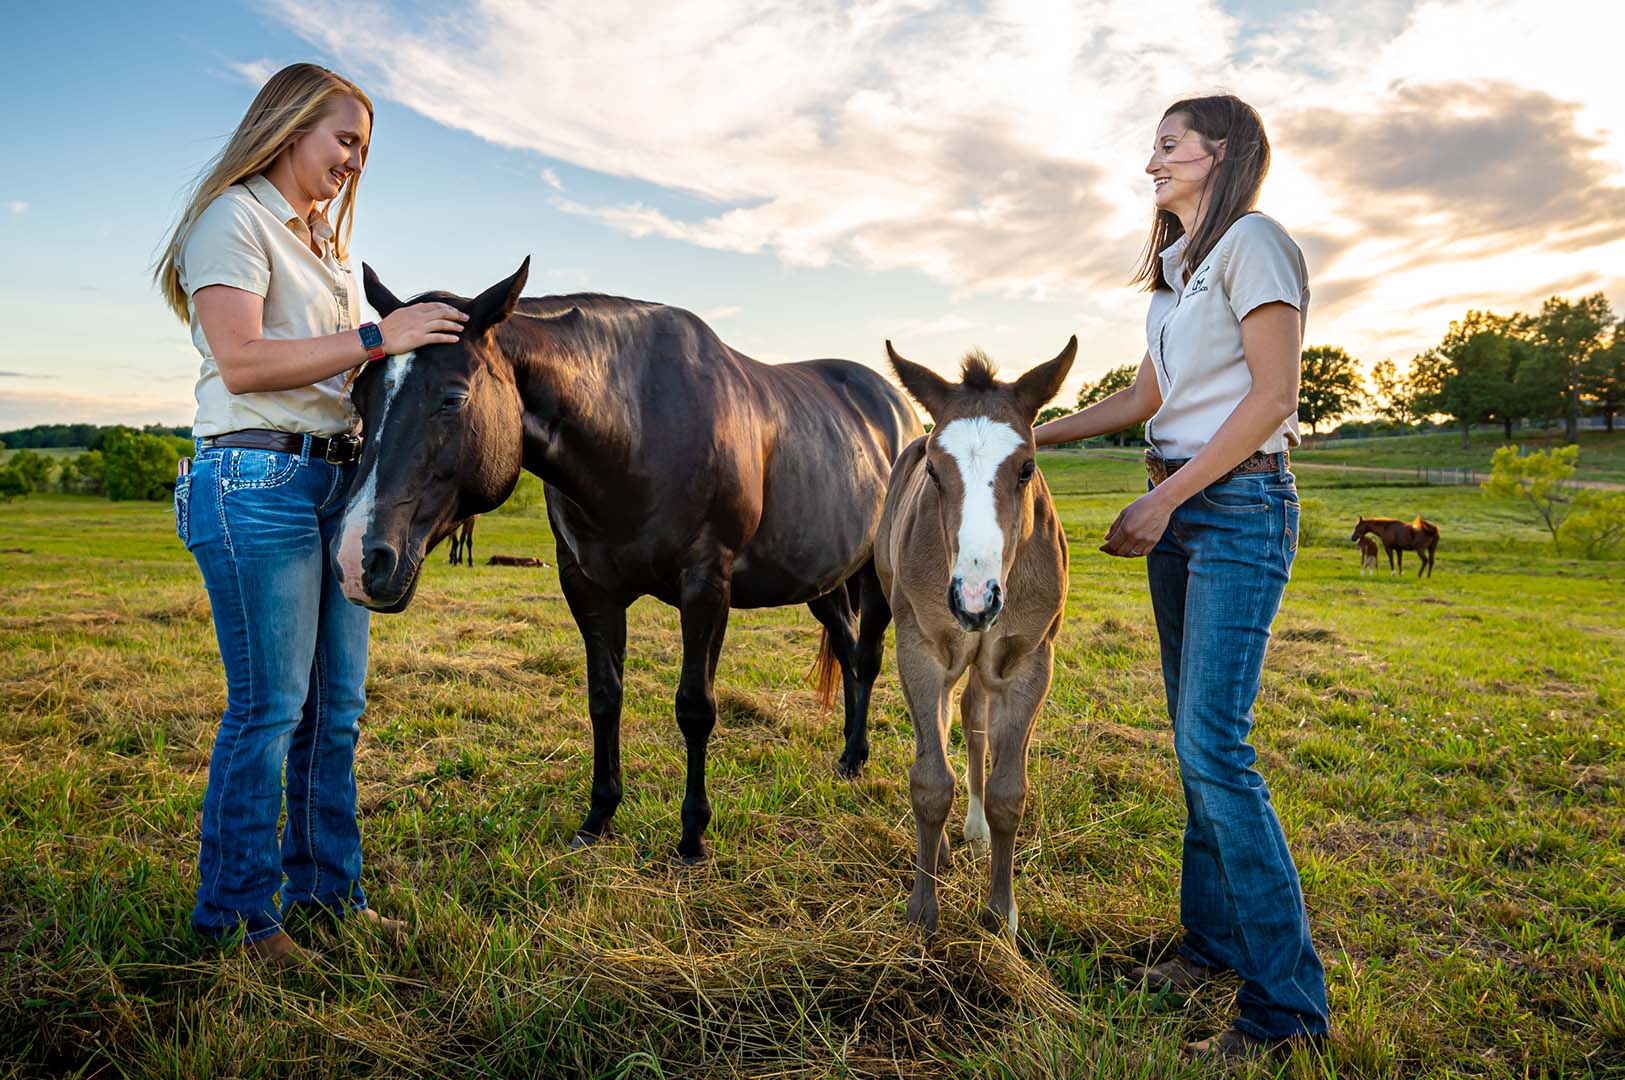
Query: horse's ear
(497, 303)
(927, 387)
(382, 300)
(1036, 387)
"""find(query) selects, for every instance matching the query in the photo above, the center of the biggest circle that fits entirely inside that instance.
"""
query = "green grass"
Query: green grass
(1602, 454)
(1448, 758)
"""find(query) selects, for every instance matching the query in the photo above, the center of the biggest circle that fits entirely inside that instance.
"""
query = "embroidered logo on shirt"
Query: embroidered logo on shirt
(1198, 284)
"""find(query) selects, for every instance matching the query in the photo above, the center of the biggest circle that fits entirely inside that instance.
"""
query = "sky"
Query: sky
(816, 177)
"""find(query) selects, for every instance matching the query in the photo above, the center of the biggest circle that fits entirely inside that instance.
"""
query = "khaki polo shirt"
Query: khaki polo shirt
(251, 239)
(1194, 332)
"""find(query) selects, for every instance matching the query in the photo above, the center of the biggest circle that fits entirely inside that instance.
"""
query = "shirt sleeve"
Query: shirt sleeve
(1263, 266)
(224, 248)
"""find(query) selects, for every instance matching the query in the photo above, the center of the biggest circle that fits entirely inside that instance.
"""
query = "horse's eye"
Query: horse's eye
(1026, 473)
(932, 473)
(453, 402)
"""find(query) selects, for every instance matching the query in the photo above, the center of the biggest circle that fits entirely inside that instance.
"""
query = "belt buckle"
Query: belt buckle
(348, 450)
(1156, 466)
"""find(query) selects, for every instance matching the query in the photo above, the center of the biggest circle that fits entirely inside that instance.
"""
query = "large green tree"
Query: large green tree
(137, 465)
(1118, 378)
(1603, 380)
(1392, 396)
(1567, 334)
(1329, 386)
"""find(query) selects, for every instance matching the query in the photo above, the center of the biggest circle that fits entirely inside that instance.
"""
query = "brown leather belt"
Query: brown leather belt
(1160, 468)
(335, 450)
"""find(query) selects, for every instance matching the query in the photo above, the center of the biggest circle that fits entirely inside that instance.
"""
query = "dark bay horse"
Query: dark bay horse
(973, 558)
(673, 467)
(1419, 536)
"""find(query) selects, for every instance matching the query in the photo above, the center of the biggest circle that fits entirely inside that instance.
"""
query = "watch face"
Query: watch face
(371, 336)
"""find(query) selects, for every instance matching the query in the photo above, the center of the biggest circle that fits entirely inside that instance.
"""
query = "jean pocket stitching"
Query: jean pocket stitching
(281, 476)
(183, 509)
(1227, 508)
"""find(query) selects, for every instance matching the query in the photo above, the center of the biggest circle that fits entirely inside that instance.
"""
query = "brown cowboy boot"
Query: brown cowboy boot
(280, 952)
(396, 930)
(1176, 975)
(1233, 1044)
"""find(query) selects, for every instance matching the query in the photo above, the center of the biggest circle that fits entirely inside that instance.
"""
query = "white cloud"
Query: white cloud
(999, 149)
(258, 72)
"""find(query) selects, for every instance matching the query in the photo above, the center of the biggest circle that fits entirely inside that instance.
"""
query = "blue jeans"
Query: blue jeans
(1216, 580)
(259, 523)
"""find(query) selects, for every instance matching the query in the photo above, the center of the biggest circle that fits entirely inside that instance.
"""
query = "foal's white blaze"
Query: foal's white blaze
(358, 516)
(978, 446)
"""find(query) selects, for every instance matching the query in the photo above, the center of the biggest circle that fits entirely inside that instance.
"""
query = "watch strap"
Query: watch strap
(372, 339)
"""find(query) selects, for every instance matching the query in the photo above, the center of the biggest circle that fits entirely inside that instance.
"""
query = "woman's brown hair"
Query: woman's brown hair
(1230, 191)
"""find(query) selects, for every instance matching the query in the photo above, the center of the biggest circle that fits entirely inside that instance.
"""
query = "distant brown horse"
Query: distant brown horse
(462, 541)
(972, 556)
(1419, 536)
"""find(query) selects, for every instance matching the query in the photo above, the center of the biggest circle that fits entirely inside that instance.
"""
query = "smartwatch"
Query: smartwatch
(372, 339)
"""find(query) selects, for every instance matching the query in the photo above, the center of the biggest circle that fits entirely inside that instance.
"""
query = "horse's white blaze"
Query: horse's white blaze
(358, 516)
(977, 833)
(978, 446)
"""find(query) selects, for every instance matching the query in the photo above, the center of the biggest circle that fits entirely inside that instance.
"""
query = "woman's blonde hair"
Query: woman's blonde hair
(287, 107)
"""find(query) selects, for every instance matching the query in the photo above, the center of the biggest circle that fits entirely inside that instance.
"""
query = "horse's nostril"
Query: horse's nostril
(377, 564)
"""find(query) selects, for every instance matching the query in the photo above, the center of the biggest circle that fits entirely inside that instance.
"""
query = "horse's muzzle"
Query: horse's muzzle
(987, 613)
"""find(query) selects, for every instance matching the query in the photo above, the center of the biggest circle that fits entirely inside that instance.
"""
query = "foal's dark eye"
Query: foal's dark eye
(932, 473)
(1025, 474)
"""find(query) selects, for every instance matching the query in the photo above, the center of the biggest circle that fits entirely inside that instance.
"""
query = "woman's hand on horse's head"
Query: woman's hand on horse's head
(417, 325)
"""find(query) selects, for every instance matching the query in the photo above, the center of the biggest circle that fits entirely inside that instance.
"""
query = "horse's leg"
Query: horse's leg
(601, 618)
(1010, 723)
(834, 612)
(468, 545)
(973, 722)
(703, 597)
(930, 779)
(874, 615)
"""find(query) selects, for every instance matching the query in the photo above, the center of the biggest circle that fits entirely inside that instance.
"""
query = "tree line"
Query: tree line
(1566, 361)
(123, 464)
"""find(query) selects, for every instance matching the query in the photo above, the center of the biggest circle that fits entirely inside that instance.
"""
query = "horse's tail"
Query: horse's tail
(826, 669)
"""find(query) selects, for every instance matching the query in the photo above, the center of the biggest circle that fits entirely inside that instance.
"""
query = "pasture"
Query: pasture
(1447, 756)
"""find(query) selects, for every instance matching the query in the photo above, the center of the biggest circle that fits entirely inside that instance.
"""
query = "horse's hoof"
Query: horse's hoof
(586, 839)
(847, 769)
(685, 862)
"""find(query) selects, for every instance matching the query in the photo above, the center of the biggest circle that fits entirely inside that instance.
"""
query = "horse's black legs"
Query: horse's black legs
(874, 615)
(703, 606)
(601, 618)
(859, 655)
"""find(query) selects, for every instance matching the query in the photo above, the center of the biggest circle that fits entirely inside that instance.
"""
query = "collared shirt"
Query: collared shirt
(251, 239)
(1194, 332)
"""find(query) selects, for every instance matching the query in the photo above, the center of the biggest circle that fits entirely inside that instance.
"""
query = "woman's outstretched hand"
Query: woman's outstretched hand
(417, 325)
(1139, 527)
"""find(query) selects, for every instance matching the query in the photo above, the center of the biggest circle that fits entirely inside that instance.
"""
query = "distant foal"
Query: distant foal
(1368, 555)
(972, 556)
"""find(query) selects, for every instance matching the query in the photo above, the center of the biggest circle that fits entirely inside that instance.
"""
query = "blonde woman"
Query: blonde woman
(1218, 387)
(258, 267)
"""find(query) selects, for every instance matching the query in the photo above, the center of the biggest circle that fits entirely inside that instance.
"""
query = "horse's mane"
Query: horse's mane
(976, 371)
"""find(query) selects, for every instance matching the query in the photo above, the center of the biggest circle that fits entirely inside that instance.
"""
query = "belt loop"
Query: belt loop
(304, 450)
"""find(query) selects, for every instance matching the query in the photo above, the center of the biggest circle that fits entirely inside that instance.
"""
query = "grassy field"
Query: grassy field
(1602, 455)
(1448, 756)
